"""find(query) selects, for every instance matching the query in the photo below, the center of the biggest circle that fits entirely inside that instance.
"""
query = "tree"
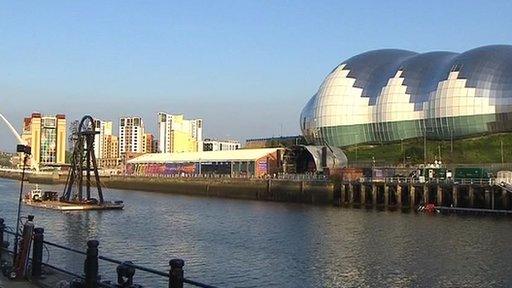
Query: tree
(73, 129)
(414, 154)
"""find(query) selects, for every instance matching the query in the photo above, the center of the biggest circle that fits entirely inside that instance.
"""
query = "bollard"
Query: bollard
(176, 273)
(91, 264)
(125, 273)
(37, 252)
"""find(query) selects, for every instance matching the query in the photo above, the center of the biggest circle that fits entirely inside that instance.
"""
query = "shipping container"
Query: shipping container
(472, 173)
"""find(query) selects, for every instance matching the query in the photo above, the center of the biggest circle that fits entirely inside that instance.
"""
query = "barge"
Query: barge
(49, 200)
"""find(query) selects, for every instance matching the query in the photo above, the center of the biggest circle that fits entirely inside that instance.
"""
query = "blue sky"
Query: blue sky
(245, 67)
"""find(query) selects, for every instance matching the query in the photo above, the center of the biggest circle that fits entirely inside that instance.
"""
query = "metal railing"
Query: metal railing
(125, 269)
(409, 180)
(292, 177)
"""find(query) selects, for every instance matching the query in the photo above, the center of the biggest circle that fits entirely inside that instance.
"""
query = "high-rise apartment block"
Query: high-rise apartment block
(148, 143)
(46, 135)
(131, 131)
(106, 145)
(103, 128)
(110, 152)
(220, 145)
(177, 134)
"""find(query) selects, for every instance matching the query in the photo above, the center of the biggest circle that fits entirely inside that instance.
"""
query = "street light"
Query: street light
(26, 151)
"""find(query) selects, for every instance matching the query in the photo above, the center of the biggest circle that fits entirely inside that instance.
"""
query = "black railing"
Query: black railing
(125, 270)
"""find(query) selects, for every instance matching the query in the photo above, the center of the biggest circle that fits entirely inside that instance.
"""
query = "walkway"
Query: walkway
(5, 283)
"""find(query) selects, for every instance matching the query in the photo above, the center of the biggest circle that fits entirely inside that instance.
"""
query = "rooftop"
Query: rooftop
(208, 156)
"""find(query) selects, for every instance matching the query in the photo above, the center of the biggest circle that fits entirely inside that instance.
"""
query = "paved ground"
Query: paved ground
(5, 283)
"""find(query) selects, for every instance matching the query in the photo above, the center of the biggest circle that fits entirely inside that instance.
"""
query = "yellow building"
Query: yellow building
(182, 142)
(177, 135)
(110, 148)
(46, 135)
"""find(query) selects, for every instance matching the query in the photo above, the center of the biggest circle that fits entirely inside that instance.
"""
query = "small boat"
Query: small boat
(50, 200)
(429, 208)
(38, 195)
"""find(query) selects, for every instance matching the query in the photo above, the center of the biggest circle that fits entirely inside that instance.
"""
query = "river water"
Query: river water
(234, 243)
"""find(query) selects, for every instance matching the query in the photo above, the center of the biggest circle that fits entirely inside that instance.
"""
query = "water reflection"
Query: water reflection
(233, 243)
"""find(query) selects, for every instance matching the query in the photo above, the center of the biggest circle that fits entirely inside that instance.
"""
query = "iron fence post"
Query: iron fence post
(176, 273)
(2, 227)
(91, 264)
(37, 252)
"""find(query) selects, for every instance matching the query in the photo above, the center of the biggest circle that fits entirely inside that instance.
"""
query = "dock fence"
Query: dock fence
(90, 279)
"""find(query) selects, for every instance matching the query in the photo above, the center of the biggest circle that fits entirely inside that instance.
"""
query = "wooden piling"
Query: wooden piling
(386, 196)
(363, 195)
(398, 196)
(347, 196)
(492, 199)
(350, 194)
(342, 196)
(471, 192)
(455, 195)
(374, 195)
(412, 198)
(487, 196)
(504, 199)
(440, 197)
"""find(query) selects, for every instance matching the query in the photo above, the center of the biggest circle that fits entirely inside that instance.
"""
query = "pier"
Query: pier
(453, 196)
(390, 193)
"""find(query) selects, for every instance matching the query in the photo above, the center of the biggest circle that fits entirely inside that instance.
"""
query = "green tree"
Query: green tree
(413, 154)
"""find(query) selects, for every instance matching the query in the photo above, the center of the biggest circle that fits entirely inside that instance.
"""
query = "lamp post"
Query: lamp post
(451, 141)
(425, 146)
(26, 151)
(501, 146)
(402, 149)
(357, 140)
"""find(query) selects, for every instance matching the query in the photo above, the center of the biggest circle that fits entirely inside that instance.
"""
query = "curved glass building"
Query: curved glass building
(390, 95)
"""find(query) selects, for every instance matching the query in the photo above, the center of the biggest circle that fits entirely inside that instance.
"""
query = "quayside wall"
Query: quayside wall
(401, 195)
(295, 191)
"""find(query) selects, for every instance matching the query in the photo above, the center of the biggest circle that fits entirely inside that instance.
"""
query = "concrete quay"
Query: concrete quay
(318, 192)
(390, 194)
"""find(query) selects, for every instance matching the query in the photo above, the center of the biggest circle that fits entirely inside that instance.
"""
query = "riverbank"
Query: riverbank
(307, 192)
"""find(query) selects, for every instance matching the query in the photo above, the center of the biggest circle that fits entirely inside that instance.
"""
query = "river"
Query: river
(238, 243)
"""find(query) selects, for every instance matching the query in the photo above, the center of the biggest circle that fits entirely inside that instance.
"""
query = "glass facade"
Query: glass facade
(48, 140)
(390, 95)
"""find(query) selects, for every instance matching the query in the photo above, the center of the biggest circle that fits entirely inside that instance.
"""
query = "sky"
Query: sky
(246, 67)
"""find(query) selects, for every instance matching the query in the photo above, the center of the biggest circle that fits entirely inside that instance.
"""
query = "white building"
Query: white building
(176, 134)
(131, 131)
(105, 129)
(220, 145)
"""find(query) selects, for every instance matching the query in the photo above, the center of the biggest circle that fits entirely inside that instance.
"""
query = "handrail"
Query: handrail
(409, 180)
(153, 271)
(149, 270)
(64, 248)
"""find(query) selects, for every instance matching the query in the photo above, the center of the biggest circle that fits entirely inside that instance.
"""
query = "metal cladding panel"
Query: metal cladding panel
(489, 70)
(422, 74)
(373, 69)
(389, 95)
